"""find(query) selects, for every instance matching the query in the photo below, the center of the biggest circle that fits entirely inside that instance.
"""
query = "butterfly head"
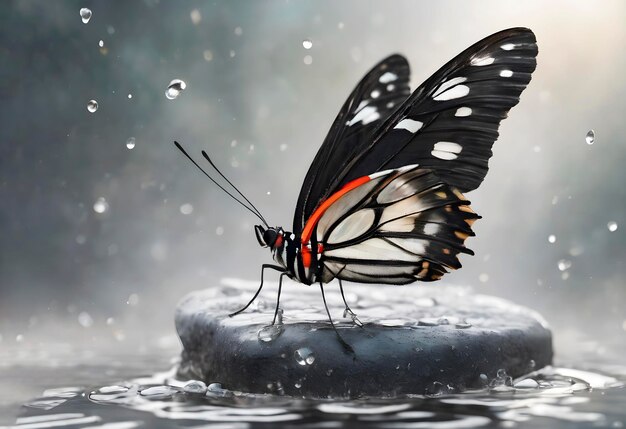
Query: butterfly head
(270, 237)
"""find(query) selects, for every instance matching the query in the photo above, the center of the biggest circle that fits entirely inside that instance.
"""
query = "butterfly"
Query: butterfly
(383, 200)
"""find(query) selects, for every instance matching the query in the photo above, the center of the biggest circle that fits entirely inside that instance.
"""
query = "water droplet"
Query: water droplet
(174, 89)
(232, 53)
(130, 143)
(215, 389)
(208, 55)
(532, 364)
(101, 205)
(110, 321)
(340, 25)
(304, 356)
(501, 373)
(195, 386)
(590, 138)
(283, 147)
(502, 382)
(133, 299)
(85, 320)
(612, 226)
(463, 325)
(195, 16)
(269, 333)
(101, 43)
(552, 238)
(159, 392)
(307, 44)
(527, 383)
(186, 209)
(564, 264)
(434, 389)
(85, 15)
(297, 385)
(92, 106)
(238, 31)
(483, 378)
(483, 277)
(219, 230)
(130, 96)
(308, 60)
(81, 239)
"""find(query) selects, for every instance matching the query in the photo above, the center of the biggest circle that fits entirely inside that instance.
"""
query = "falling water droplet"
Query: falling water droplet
(564, 264)
(101, 205)
(85, 320)
(101, 43)
(186, 209)
(174, 89)
(92, 106)
(308, 60)
(552, 238)
(130, 143)
(85, 15)
(307, 44)
(590, 138)
(612, 226)
(304, 356)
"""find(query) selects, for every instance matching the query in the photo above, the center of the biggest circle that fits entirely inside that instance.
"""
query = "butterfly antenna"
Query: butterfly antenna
(180, 148)
(206, 156)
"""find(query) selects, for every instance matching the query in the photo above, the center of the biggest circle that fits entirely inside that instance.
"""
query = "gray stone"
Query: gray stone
(415, 339)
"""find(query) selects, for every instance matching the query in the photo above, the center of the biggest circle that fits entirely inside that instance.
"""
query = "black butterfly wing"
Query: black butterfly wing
(383, 89)
(448, 125)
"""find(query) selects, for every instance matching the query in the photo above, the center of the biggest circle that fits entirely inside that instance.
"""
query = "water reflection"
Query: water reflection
(550, 397)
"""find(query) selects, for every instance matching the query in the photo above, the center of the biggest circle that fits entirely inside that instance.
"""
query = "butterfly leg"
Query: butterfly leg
(341, 340)
(263, 267)
(280, 287)
(348, 310)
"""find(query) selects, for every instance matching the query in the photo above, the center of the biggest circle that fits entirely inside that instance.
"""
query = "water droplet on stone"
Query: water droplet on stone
(195, 386)
(304, 356)
(463, 325)
(269, 333)
(527, 383)
(590, 138)
(552, 238)
(483, 378)
(130, 143)
(101, 205)
(434, 389)
(85, 15)
(174, 89)
(564, 264)
(215, 389)
(612, 226)
(186, 209)
(307, 44)
(92, 106)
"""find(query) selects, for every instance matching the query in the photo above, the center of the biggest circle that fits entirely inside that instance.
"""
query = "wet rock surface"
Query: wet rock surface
(416, 339)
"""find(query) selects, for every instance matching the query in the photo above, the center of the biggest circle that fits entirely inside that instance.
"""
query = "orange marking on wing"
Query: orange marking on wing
(306, 256)
(319, 212)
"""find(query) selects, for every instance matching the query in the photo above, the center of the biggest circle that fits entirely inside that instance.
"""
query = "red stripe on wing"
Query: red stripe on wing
(319, 211)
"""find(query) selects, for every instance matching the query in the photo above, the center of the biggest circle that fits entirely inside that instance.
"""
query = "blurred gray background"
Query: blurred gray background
(261, 105)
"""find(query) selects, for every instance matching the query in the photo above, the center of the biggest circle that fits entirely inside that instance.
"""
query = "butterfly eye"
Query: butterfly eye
(260, 235)
(269, 237)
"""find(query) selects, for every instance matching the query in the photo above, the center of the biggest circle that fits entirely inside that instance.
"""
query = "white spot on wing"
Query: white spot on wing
(506, 73)
(366, 115)
(361, 105)
(443, 155)
(463, 111)
(411, 244)
(431, 228)
(456, 92)
(409, 125)
(375, 93)
(449, 84)
(482, 61)
(448, 147)
(388, 77)
(507, 46)
(391, 87)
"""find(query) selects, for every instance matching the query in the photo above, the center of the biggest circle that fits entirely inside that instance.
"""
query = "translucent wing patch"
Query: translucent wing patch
(400, 226)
